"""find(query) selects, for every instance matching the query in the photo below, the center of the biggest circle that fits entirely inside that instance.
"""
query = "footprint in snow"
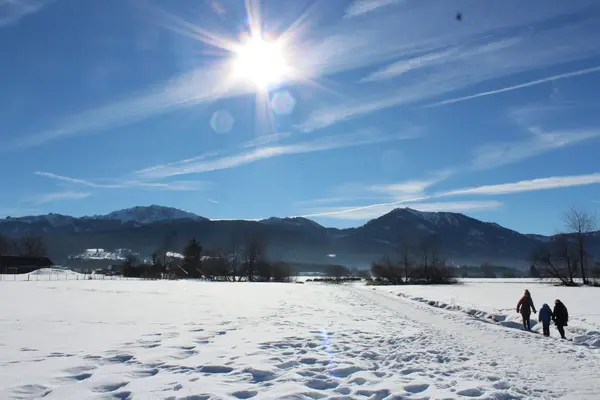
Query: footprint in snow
(416, 388)
(322, 384)
(216, 369)
(31, 392)
(244, 394)
(474, 392)
(110, 387)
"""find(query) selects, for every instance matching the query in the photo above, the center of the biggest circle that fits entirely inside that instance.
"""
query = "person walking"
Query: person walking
(545, 317)
(560, 317)
(524, 306)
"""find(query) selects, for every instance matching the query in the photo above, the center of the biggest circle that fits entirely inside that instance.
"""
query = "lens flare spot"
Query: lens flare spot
(283, 102)
(222, 121)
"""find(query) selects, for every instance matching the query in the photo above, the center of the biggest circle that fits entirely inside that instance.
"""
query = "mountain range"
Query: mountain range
(461, 239)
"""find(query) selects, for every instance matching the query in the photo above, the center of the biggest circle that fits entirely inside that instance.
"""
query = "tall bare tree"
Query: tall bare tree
(406, 248)
(6, 245)
(582, 224)
(557, 260)
(32, 246)
(254, 253)
(234, 260)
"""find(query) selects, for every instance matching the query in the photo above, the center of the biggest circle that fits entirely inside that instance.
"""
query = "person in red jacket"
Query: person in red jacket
(524, 306)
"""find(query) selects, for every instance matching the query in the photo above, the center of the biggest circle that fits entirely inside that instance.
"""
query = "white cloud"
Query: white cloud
(502, 153)
(213, 201)
(553, 78)
(374, 212)
(202, 164)
(345, 45)
(360, 7)
(266, 139)
(440, 66)
(67, 195)
(555, 182)
(531, 185)
(196, 87)
(412, 188)
(174, 185)
(336, 200)
(11, 11)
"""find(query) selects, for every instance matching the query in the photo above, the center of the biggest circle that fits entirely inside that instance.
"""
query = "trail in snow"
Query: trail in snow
(191, 340)
(541, 366)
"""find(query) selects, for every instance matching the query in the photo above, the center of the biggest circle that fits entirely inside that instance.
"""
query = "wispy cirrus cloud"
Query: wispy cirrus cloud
(267, 139)
(524, 85)
(12, 11)
(555, 182)
(496, 154)
(531, 185)
(206, 164)
(196, 87)
(361, 7)
(65, 195)
(121, 184)
(344, 46)
(438, 67)
(370, 213)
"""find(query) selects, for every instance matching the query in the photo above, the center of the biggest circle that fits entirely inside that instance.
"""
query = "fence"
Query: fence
(59, 277)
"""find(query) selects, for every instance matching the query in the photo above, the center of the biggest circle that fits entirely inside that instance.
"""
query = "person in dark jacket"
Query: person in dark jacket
(560, 317)
(545, 317)
(524, 306)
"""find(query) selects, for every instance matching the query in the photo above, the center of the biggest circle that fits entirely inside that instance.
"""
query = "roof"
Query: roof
(19, 261)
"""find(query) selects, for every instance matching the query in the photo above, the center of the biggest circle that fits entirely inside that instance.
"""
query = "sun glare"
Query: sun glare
(260, 62)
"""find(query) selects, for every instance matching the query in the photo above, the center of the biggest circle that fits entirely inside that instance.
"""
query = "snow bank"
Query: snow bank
(495, 301)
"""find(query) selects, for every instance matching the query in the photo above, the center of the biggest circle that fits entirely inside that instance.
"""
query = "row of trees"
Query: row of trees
(566, 257)
(26, 246)
(418, 262)
(252, 265)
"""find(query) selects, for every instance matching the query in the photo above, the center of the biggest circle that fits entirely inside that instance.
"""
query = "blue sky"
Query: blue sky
(338, 110)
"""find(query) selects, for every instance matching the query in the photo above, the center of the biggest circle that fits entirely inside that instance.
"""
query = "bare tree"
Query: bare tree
(255, 252)
(32, 246)
(557, 260)
(581, 223)
(216, 268)
(281, 272)
(595, 274)
(6, 245)
(387, 271)
(405, 258)
(234, 260)
(488, 270)
(337, 272)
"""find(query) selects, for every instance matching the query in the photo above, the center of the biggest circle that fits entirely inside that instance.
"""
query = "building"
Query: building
(23, 265)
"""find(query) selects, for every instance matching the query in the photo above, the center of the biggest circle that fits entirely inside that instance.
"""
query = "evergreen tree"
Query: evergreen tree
(192, 262)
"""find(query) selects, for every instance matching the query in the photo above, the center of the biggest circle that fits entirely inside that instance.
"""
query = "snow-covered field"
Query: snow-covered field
(195, 340)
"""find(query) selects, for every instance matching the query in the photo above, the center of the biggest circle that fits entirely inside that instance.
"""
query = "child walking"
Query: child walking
(545, 316)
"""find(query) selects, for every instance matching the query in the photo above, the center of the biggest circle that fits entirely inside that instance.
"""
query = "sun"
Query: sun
(260, 62)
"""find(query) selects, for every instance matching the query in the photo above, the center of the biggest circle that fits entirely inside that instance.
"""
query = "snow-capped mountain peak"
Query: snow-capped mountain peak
(149, 214)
